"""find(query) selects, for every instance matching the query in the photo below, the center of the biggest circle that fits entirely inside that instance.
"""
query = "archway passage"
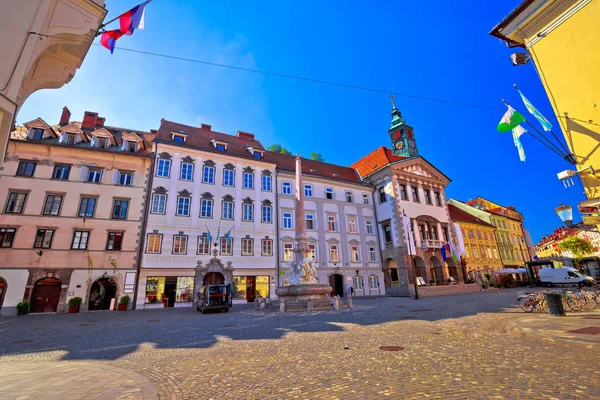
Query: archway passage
(393, 273)
(213, 278)
(336, 281)
(437, 270)
(46, 294)
(421, 269)
(453, 270)
(2, 292)
(101, 293)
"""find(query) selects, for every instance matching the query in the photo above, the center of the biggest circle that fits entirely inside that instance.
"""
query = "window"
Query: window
(87, 207)
(153, 243)
(101, 142)
(247, 247)
(489, 252)
(475, 252)
(373, 282)
(438, 199)
(15, 203)
(183, 206)
(247, 212)
(329, 193)
(227, 212)
(266, 183)
(445, 233)
(358, 282)
(387, 231)
(286, 187)
(36, 134)
(352, 225)
(68, 138)
(61, 172)
(248, 180)
(203, 245)
(94, 175)
(7, 235)
(163, 168)
(257, 154)
(369, 225)
(228, 177)
(114, 241)
(331, 223)
(43, 238)
(179, 244)
(125, 178)
(267, 212)
(288, 252)
(349, 197)
(226, 246)
(471, 234)
(287, 220)
(485, 236)
(310, 222)
(187, 171)
(423, 231)
(308, 190)
(266, 247)
(52, 205)
(220, 147)
(120, 209)
(80, 240)
(365, 198)
(158, 203)
(482, 250)
(178, 139)
(206, 207)
(312, 251)
(129, 146)
(427, 196)
(415, 194)
(333, 253)
(208, 174)
(478, 233)
(354, 255)
(403, 194)
(372, 254)
(382, 195)
(26, 168)
(433, 232)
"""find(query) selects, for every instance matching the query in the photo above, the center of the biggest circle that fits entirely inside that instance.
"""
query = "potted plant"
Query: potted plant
(431, 282)
(23, 308)
(123, 301)
(74, 304)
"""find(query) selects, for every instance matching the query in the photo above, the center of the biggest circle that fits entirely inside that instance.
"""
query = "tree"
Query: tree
(316, 156)
(277, 148)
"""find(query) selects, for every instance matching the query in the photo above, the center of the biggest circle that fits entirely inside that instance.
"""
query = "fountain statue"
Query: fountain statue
(304, 284)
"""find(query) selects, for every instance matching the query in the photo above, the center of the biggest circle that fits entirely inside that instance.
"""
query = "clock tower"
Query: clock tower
(401, 135)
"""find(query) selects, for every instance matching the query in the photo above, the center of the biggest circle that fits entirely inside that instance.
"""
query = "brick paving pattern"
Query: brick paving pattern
(465, 346)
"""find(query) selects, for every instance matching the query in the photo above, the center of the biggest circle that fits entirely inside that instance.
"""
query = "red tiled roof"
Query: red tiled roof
(375, 161)
(456, 214)
(287, 162)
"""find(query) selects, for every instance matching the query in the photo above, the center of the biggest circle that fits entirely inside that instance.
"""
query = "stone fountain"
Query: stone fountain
(304, 287)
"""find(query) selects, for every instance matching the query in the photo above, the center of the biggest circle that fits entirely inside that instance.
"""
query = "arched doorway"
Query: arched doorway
(421, 270)
(438, 273)
(101, 293)
(394, 275)
(336, 281)
(453, 271)
(213, 278)
(46, 294)
(2, 292)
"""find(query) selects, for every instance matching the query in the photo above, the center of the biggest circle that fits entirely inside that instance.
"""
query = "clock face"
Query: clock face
(411, 144)
(399, 145)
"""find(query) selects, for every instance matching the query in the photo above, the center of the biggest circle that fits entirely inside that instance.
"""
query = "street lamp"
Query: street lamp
(565, 213)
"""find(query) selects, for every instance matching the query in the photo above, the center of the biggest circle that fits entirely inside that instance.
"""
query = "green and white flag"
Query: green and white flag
(510, 120)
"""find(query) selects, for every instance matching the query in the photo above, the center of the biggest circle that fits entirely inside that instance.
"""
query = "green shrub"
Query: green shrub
(23, 307)
(75, 301)
(124, 300)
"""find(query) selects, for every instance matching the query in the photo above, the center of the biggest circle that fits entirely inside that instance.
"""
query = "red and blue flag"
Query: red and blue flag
(129, 21)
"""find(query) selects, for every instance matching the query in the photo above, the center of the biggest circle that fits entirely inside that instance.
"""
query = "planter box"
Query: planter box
(122, 307)
(73, 309)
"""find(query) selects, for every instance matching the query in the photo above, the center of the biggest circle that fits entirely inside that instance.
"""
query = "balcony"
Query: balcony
(431, 244)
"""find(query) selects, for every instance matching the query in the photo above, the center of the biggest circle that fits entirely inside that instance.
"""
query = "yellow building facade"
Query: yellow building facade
(562, 39)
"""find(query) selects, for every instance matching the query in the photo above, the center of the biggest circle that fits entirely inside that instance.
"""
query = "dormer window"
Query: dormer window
(129, 146)
(178, 138)
(68, 138)
(221, 146)
(255, 153)
(36, 134)
(100, 142)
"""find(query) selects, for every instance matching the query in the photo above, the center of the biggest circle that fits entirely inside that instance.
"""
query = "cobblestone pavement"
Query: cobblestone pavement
(452, 347)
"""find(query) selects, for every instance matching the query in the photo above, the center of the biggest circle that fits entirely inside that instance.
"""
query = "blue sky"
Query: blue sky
(435, 49)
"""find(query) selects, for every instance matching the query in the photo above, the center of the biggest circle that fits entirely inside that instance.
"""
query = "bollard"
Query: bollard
(336, 303)
(281, 305)
(349, 301)
(309, 305)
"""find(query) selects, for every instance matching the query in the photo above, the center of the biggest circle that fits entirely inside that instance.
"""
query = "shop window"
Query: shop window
(238, 290)
(262, 287)
(155, 287)
(185, 289)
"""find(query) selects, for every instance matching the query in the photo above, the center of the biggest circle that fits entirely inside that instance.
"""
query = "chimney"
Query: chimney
(100, 122)
(65, 117)
(89, 120)
(245, 135)
(206, 126)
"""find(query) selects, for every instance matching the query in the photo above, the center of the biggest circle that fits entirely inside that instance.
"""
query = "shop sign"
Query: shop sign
(589, 209)
(591, 219)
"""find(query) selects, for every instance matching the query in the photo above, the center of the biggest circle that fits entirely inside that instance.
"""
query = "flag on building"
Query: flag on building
(517, 132)
(510, 120)
(408, 236)
(228, 235)
(109, 39)
(208, 236)
(543, 121)
(454, 252)
(133, 19)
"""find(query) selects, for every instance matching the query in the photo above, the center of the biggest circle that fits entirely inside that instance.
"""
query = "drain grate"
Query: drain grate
(391, 348)
(590, 330)
(22, 341)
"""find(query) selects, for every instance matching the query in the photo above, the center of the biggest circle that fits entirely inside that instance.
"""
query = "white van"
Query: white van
(564, 276)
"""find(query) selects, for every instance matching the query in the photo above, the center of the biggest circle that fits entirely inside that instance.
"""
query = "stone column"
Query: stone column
(301, 251)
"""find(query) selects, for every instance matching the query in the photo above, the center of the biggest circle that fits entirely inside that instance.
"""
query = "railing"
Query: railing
(432, 244)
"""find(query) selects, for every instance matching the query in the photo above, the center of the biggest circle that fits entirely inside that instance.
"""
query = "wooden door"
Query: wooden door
(336, 281)
(250, 288)
(213, 278)
(46, 295)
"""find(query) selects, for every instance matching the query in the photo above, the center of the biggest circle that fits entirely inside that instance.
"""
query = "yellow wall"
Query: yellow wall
(482, 238)
(568, 60)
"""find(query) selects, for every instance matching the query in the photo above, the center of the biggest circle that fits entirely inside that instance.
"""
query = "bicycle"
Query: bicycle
(533, 301)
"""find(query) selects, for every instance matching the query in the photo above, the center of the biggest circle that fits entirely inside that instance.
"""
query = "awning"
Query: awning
(590, 202)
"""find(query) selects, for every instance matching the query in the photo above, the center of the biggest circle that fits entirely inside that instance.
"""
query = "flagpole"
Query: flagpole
(113, 20)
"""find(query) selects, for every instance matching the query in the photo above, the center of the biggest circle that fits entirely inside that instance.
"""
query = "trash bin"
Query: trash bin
(555, 305)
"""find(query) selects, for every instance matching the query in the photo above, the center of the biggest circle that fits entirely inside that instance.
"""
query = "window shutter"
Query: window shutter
(94, 141)
(133, 176)
(62, 138)
(125, 146)
(107, 143)
(101, 176)
(116, 177)
(84, 173)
